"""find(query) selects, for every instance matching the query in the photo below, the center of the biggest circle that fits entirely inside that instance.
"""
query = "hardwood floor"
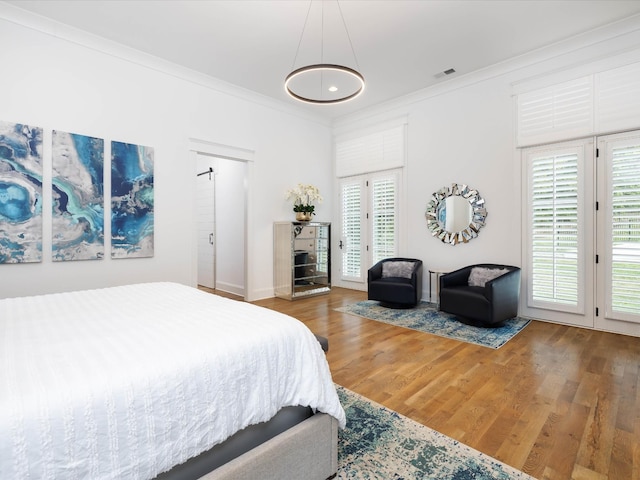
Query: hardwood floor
(556, 402)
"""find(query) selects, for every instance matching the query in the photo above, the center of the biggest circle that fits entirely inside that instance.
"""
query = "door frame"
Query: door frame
(207, 147)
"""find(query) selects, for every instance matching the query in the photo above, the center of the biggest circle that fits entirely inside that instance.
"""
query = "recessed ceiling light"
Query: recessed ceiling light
(333, 88)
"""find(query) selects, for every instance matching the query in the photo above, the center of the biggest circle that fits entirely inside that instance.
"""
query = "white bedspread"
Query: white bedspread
(126, 382)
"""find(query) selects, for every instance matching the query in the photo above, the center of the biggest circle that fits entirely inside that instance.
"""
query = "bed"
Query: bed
(144, 381)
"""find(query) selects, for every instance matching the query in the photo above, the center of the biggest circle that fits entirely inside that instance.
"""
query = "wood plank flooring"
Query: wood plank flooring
(556, 402)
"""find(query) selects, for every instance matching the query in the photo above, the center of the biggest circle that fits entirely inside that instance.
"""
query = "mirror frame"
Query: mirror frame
(478, 214)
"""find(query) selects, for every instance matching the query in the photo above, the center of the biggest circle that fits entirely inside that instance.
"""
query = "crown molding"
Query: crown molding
(73, 35)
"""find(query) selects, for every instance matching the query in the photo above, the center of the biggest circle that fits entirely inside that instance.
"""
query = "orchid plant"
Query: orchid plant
(303, 197)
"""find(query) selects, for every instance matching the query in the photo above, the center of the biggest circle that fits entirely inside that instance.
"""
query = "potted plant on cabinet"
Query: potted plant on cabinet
(303, 196)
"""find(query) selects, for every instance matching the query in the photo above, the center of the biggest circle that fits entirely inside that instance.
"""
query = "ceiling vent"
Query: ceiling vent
(448, 71)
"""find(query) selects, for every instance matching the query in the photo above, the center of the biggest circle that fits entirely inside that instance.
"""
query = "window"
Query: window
(625, 229)
(369, 166)
(581, 235)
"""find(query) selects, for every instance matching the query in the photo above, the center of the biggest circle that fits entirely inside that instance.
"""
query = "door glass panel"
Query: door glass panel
(383, 211)
(558, 238)
(624, 213)
(555, 236)
(352, 230)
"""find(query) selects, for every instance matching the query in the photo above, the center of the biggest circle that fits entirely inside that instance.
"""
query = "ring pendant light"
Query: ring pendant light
(323, 77)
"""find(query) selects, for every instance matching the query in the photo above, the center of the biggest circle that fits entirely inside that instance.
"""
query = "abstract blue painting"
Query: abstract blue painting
(20, 193)
(131, 201)
(78, 197)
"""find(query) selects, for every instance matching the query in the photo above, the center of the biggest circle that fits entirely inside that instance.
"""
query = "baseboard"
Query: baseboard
(230, 288)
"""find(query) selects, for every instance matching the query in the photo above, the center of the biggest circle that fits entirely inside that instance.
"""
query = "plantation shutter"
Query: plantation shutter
(600, 103)
(373, 152)
(352, 200)
(384, 218)
(555, 113)
(555, 227)
(617, 99)
(623, 227)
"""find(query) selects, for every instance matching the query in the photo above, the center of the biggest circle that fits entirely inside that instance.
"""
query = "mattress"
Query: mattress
(126, 382)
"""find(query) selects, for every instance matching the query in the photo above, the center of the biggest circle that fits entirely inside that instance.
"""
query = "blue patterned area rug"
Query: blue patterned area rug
(380, 444)
(427, 318)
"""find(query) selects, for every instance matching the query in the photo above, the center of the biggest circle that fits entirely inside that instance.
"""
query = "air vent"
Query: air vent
(448, 71)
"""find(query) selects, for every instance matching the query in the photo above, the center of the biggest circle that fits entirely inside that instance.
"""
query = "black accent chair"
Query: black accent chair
(396, 285)
(488, 305)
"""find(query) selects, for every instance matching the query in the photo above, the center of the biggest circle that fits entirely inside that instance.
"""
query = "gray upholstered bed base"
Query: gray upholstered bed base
(308, 450)
(309, 447)
(294, 444)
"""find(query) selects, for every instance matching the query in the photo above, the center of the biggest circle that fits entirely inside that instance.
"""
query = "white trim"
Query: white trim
(221, 150)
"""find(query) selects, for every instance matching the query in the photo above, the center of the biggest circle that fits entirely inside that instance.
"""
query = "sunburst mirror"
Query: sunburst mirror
(455, 214)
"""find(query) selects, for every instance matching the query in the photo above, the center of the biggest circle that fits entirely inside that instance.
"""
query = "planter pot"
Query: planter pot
(303, 216)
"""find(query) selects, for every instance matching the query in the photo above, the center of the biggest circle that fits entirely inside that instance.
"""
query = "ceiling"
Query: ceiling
(400, 46)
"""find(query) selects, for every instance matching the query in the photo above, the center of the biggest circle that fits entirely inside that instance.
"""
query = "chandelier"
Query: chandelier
(324, 83)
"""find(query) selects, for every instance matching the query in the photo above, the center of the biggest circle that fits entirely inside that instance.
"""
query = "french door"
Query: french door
(558, 232)
(369, 224)
(582, 232)
(618, 269)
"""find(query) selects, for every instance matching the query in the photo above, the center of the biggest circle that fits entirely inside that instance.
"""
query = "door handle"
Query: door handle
(340, 245)
(211, 238)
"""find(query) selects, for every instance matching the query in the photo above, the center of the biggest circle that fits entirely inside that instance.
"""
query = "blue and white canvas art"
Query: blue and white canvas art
(20, 193)
(132, 197)
(78, 197)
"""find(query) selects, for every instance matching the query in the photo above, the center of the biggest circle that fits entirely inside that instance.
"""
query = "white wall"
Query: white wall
(460, 136)
(85, 85)
(463, 131)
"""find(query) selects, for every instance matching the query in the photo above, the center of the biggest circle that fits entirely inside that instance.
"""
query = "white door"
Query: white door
(206, 229)
(619, 232)
(559, 233)
(369, 224)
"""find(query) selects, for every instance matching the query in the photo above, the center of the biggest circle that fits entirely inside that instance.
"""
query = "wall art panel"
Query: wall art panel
(132, 199)
(20, 193)
(78, 197)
